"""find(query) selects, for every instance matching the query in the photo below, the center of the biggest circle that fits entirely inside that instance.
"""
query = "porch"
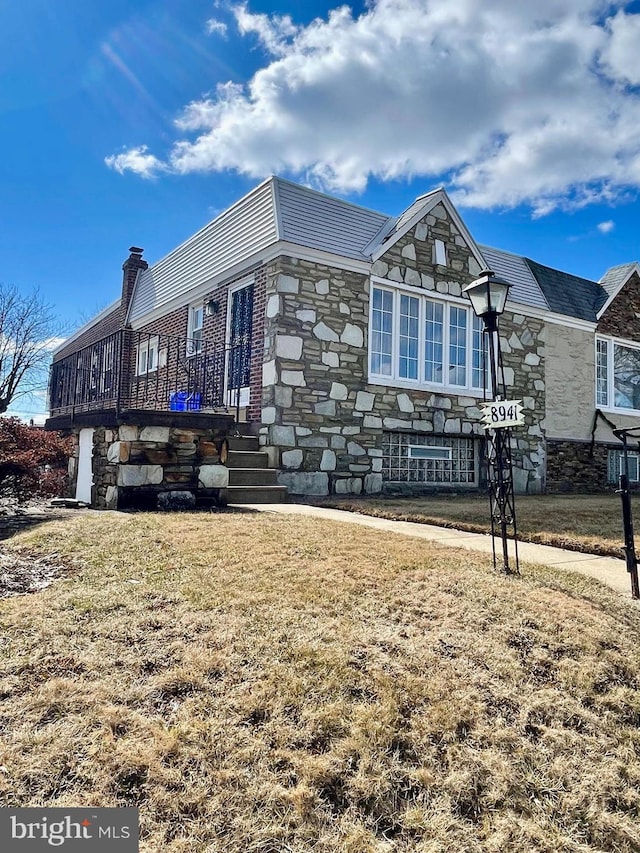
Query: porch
(138, 373)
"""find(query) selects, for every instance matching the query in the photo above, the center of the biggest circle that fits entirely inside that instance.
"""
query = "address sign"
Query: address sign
(501, 414)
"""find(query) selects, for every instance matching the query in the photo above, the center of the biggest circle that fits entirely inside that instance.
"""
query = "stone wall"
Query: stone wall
(133, 464)
(621, 318)
(577, 466)
(323, 421)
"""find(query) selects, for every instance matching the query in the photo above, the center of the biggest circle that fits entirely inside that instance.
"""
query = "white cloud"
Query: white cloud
(217, 27)
(136, 160)
(274, 31)
(606, 227)
(504, 102)
(53, 343)
(620, 56)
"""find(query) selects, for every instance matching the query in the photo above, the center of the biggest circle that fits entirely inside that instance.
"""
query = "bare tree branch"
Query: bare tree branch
(27, 335)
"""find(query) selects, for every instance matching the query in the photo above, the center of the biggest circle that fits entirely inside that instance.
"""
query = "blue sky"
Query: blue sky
(134, 122)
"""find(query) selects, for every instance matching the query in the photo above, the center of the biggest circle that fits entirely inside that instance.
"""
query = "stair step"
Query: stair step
(253, 477)
(256, 494)
(247, 443)
(247, 459)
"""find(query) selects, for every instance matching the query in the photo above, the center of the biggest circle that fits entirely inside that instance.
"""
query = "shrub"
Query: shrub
(33, 462)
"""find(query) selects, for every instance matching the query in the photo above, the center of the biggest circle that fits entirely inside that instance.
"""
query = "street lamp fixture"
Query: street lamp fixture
(488, 297)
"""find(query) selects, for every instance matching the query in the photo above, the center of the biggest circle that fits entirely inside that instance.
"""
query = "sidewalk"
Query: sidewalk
(607, 570)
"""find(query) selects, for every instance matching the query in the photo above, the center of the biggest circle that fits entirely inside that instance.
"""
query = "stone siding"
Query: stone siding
(576, 466)
(133, 464)
(622, 317)
(323, 421)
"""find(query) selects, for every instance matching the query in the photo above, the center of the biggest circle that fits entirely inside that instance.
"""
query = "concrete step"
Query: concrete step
(256, 494)
(247, 459)
(248, 443)
(253, 477)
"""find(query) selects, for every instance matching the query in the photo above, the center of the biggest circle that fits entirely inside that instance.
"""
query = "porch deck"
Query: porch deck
(138, 372)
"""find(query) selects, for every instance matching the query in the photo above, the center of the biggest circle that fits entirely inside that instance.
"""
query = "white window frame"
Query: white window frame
(394, 379)
(611, 343)
(148, 349)
(194, 340)
(634, 461)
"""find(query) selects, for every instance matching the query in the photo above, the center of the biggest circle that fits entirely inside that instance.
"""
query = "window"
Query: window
(617, 375)
(616, 465)
(419, 451)
(411, 458)
(440, 253)
(147, 356)
(417, 339)
(194, 329)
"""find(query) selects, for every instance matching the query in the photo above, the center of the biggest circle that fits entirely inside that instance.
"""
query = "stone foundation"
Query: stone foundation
(133, 465)
(576, 466)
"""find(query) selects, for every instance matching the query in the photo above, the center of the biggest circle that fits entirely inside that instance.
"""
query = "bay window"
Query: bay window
(416, 339)
(617, 375)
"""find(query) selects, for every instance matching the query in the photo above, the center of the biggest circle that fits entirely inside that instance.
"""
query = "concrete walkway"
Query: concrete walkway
(608, 570)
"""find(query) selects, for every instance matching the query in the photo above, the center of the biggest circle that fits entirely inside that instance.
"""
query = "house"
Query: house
(337, 341)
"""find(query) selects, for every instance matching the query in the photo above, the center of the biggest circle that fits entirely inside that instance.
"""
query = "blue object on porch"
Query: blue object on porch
(178, 401)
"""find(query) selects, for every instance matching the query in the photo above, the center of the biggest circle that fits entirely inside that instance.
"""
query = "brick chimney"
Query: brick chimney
(130, 267)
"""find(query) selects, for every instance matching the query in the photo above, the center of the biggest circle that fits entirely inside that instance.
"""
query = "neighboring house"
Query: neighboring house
(340, 338)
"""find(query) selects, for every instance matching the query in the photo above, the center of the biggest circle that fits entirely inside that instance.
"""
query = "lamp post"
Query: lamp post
(488, 297)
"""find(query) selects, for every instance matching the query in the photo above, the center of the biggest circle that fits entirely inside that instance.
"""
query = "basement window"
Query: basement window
(420, 451)
(616, 465)
(429, 459)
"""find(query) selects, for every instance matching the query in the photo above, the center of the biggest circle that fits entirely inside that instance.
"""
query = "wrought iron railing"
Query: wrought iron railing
(140, 370)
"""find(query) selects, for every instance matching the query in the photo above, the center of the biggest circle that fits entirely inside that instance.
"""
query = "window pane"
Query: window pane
(479, 348)
(602, 373)
(434, 327)
(626, 380)
(142, 359)
(457, 346)
(616, 465)
(409, 319)
(382, 332)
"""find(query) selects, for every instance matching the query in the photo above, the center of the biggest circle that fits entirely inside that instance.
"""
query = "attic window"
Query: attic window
(440, 253)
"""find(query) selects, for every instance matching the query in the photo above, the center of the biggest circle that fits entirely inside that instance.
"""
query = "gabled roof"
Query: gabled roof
(416, 211)
(280, 211)
(514, 269)
(614, 280)
(568, 294)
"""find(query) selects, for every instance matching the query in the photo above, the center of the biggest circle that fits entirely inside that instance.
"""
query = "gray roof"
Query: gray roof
(526, 289)
(313, 219)
(280, 210)
(275, 210)
(615, 277)
(569, 294)
(397, 225)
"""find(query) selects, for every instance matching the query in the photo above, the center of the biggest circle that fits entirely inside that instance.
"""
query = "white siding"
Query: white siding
(237, 234)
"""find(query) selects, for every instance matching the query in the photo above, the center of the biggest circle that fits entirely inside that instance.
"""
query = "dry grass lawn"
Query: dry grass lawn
(591, 523)
(272, 684)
